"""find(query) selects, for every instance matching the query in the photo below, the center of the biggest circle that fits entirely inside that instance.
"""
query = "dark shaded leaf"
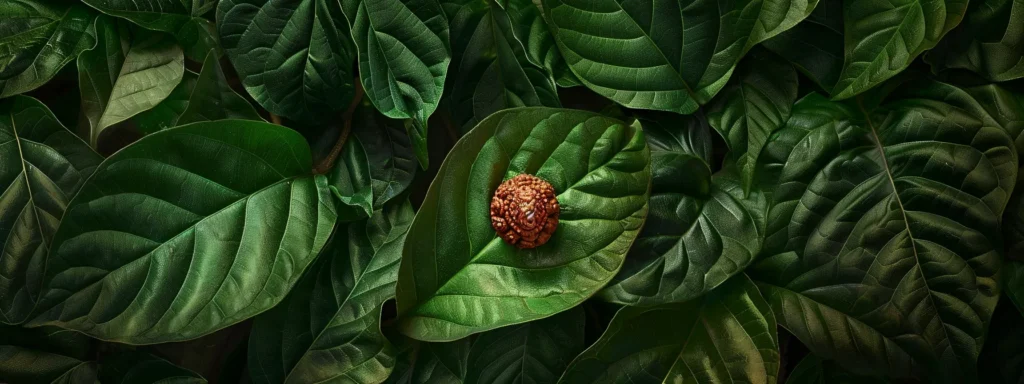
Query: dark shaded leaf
(44, 355)
(143, 368)
(534, 352)
(990, 41)
(38, 39)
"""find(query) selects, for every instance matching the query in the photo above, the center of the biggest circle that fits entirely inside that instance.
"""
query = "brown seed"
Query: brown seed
(524, 211)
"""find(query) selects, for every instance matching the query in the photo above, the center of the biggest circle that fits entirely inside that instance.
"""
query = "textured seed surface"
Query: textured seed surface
(524, 211)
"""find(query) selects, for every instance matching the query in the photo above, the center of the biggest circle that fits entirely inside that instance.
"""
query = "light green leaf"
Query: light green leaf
(403, 59)
(42, 165)
(44, 355)
(488, 74)
(664, 54)
(39, 38)
(459, 278)
(989, 42)
(185, 232)
(328, 329)
(165, 115)
(294, 56)
(182, 19)
(883, 245)
(129, 71)
(755, 103)
(727, 336)
(142, 368)
(534, 352)
(813, 370)
(430, 363)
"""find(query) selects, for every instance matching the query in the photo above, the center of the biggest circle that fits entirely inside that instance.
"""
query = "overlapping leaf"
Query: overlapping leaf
(42, 166)
(128, 72)
(403, 58)
(990, 41)
(537, 42)
(38, 39)
(458, 277)
(187, 231)
(430, 363)
(813, 370)
(44, 355)
(294, 57)
(883, 245)
(328, 329)
(727, 336)
(534, 352)
(489, 73)
(182, 19)
(143, 368)
(664, 54)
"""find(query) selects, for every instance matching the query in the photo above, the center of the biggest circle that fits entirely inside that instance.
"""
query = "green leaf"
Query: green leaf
(294, 57)
(183, 19)
(990, 42)
(403, 58)
(813, 370)
(39, 38)
(129, 71)
(377, 162)
(185, 232)
(536, 40)
(755, 103)
(1014, 286)
(44, 355)
(488, 74)
(1002, 358)
(883, 246)
(203, 97)
(671, 132)
(431, 363)
(143, 368)
(727, 336)
(329, 326)
(534, 352)
(459, 278)
(664, 54)
(42, 165)
(848, 47)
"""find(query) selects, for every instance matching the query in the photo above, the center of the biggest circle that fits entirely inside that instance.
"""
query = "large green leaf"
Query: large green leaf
(203, 97)
(377, 162)
(814, 370)
(183, 19)
(37, 39)
(727, 336)
(403, 59)
(667, 55)
(294, 57)
(488, 73)
(534, 352)
(848, 47)
(130, 71)
(458, 277)
(990, 41)
(42, 165)
(143, 368)
(185, 232)
(44, 355)
(755, 103)
(328, 329)
(883, 246)
(431, 363)
(536, 40)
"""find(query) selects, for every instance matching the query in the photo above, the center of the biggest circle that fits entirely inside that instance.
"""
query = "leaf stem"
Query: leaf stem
(328, 162)
(275, 119)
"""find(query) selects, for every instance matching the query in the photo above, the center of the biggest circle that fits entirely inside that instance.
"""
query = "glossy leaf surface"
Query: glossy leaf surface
(294, 57)
(403, 58)
(727, 336)
(328, 329)
(883, 247)
(129, 71)
(491, 70)
(143, 368)
(459, 278)
(665, 55)
(187, 231)
(42, 166)
(37, 39)
(534, 352)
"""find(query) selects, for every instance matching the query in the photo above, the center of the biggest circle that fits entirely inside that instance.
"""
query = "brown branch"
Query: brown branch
(328, 162)
(275, 119)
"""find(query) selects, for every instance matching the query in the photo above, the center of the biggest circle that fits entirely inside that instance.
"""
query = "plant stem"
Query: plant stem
(275, 119)
(328, 162)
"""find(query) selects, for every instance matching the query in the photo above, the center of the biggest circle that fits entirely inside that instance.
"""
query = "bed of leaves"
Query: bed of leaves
(297, 191)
